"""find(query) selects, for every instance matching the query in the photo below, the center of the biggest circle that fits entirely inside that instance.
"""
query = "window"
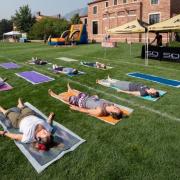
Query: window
(131, 12)
(106, 4)
(154, 1)
(95, 10)
(95, 27)
(154, 18)
(121, 13)
(115, 2)
(85, 21)
(124, 1)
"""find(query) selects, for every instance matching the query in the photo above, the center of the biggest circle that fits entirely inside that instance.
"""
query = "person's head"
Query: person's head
(153, 93)
(44, 139)
(103, 66)
(75, 71)
(73, 100)
(114, 111)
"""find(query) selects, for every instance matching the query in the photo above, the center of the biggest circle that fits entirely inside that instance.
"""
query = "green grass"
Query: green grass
(144, 146)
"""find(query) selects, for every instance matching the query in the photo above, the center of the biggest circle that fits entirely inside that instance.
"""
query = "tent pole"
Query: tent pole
(147, 60)
(145, 45)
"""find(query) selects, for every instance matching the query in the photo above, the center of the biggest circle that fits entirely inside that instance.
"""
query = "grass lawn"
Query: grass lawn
(144, 146)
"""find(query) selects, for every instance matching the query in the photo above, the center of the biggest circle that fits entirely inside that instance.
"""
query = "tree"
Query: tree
(76, 19)
(5, 26)
(48, 26)
(23, 19)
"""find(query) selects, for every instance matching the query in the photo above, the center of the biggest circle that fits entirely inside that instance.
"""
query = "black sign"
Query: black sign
(162, 53)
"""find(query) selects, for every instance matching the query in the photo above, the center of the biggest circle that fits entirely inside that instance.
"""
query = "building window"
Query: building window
(85, 21)
(121, 13)
(106, 4)
(154, 18)
(95, 27)
(131, 12)
(95, 10)
(124, 1)
(115, 2)
(154, 1)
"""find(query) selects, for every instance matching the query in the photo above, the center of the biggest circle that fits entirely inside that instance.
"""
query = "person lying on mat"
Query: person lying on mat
(2, 82)
(64, 70)
(32, 128)
(96, 65)
(131, 88)
(92, 105)
(37, 61)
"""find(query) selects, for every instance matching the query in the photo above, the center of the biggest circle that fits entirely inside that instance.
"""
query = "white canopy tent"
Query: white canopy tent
(169, 25)
(12, 33)
(135, 26)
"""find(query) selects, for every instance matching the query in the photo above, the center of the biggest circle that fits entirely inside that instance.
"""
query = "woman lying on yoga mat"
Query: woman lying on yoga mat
(130, 87)
(2, 82)
(32, 128)
(37, 61)
(64, 70)
(92, 105)
(96, 65)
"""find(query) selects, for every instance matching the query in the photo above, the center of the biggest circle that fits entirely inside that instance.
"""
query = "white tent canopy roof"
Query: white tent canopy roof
(12, 33)
(135, 26)
(169, 25)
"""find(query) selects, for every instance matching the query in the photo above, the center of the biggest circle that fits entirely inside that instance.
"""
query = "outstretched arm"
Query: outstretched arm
(17, 137)
(50, 118)
(135, 93)
(93, 112)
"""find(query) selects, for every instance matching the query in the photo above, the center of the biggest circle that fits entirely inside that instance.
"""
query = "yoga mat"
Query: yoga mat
(108, 119)
(160, 80)
(34, 77)
(9, 65)
(5, 87)
(149, 98)
(67, 59)
(107, 67)
(39, 159)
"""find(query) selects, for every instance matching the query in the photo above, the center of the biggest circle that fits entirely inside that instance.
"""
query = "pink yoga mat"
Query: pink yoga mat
(5, 87)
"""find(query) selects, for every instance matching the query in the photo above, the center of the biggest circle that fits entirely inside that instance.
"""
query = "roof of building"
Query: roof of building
(83, 12)
(96, 1)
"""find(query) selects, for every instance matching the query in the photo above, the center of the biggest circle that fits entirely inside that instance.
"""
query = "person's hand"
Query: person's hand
(1, 133)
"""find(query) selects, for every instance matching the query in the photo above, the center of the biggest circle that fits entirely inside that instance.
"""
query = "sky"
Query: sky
(46, 7)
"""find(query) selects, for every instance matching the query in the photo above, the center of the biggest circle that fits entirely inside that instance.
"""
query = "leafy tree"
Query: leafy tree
(5, 26)
(48, 26)
(23, 19)
(76, 19)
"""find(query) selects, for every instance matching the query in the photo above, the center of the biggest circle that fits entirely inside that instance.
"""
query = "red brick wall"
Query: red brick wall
(118, 15)
(175, 7)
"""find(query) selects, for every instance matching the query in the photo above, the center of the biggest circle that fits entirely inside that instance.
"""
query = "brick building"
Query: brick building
(106, 14)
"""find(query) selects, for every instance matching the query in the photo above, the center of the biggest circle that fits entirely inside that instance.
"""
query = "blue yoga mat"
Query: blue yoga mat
(161, 80)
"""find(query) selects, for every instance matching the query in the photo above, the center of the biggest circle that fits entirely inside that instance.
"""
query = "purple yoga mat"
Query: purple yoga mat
(34, 77)
(9, 65)
(5, 87)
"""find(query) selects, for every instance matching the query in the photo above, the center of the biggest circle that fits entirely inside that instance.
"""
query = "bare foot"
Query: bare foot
(20, 103)
(2, 110)
(51, 93)
(69, 87)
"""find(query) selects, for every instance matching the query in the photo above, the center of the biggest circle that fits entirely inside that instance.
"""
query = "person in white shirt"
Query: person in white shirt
(32, 128)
